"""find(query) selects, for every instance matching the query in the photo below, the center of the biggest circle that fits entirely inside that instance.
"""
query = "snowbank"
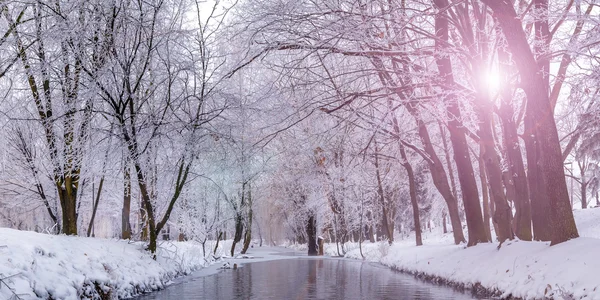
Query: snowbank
(528, 270)
(59, 267)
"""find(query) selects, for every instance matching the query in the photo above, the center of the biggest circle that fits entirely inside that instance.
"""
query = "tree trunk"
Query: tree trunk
(311, 233)
(448, 160)
(412, 185)
(144, 236)
(444, 227)
(239, 229)
(384, 209)
(217, 244)
(514, 159)
(95, 208)
(68, 204)
(584, 184)
(502, 215)
(125, 224)
(371, 234)
(248, 233)
(484, 193)
(458, 139)
(438, 174)
(541, 135)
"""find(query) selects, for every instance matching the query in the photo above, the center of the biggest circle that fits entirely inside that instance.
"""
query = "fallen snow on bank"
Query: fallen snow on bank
(529, 270)
(60, 267)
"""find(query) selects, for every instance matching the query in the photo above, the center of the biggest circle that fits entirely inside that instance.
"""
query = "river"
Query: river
(306, 278)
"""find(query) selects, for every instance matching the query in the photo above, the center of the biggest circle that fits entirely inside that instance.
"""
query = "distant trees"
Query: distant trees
(51, 65)
(483, 88)
(142, 67)
(350, 120)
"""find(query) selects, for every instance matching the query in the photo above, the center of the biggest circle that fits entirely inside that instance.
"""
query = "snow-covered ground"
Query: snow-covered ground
(45, 266)
(529, 270)
(59, 267)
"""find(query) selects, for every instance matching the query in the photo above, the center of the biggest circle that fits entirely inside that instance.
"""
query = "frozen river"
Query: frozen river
(306, 278)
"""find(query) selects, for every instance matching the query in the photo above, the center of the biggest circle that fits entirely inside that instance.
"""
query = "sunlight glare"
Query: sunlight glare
(492, 81)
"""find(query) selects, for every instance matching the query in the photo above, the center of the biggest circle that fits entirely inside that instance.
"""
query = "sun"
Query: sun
(492, 81)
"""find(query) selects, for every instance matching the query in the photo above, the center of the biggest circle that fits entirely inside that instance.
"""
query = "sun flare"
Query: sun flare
(492, 81)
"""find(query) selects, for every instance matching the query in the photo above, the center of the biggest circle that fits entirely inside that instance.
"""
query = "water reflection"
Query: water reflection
(307, 279)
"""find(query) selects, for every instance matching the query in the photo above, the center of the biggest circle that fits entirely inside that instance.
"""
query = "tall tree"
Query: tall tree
(541, 134)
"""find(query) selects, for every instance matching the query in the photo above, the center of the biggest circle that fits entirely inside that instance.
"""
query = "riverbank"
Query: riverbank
(35, 265)
(519, 269)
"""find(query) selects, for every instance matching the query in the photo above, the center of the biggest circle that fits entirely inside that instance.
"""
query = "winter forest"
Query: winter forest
(349, 120)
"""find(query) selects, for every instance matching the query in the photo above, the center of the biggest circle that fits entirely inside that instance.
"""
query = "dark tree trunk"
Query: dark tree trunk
(311, 233)
(248, 233)
(584, 183)
(95, 209)
(68, 204)
(438, 174)
(540, 207)
(448, 160)
(444, 227)
(217, 244)
(541, 135)
(412, 185)
(458, 139)
(502, 215)
(239, 230)
(512, 148)
(125, 224)
(387, 227)
(144, 236)
(486, 199)
(356, 235)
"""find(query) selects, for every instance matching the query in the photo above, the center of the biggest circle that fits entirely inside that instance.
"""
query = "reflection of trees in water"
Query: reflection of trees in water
(307, 279)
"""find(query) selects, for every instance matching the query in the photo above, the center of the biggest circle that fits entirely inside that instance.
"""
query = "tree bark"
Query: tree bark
(95, 208)
(412, 185)
(217, 244)
(384, 209)
(503, 214)
(311, 233)
(239, 229)
(584, 183)
(438, 174)
(444, 227)
(248, 233)
(541, 135)
(485, 193)
(440, 179)
(513, 156)
(125, 224)
(458, 139)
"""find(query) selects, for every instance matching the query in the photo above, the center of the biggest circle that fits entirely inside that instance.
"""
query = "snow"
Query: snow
(61, 267)
(41, 266)
(37, 265)
(528, 270)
